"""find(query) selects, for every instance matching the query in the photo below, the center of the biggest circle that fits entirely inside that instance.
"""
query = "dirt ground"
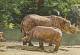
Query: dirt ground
(16, 48)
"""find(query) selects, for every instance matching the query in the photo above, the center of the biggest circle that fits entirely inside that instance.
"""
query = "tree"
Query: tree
(12, 11)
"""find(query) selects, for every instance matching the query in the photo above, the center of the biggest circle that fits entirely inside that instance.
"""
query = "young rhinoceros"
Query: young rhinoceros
(44, 34)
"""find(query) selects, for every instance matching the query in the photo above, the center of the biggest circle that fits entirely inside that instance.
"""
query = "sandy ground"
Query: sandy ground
(15, 48)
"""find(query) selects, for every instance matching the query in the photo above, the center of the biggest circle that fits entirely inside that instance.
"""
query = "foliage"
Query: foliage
(12, 11)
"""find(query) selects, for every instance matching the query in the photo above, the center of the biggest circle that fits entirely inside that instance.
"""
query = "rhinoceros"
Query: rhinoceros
(44, 34)
(32, 20)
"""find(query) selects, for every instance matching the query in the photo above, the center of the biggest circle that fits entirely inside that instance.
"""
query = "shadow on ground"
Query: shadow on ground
(48, 49)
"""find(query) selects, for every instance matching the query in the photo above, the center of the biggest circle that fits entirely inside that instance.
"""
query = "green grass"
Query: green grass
(73, 39)
(15, 35)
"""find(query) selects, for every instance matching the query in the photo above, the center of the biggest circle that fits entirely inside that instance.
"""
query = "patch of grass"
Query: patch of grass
(72, 39)
(15, 35)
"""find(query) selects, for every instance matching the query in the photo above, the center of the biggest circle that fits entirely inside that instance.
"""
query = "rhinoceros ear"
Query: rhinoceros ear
(65, 17)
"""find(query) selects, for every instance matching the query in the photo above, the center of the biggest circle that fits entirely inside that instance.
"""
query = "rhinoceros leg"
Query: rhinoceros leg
(30, 44)
(57, 46)
(50, 44)
(29, 41)
(41, 45)
(24, 43)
